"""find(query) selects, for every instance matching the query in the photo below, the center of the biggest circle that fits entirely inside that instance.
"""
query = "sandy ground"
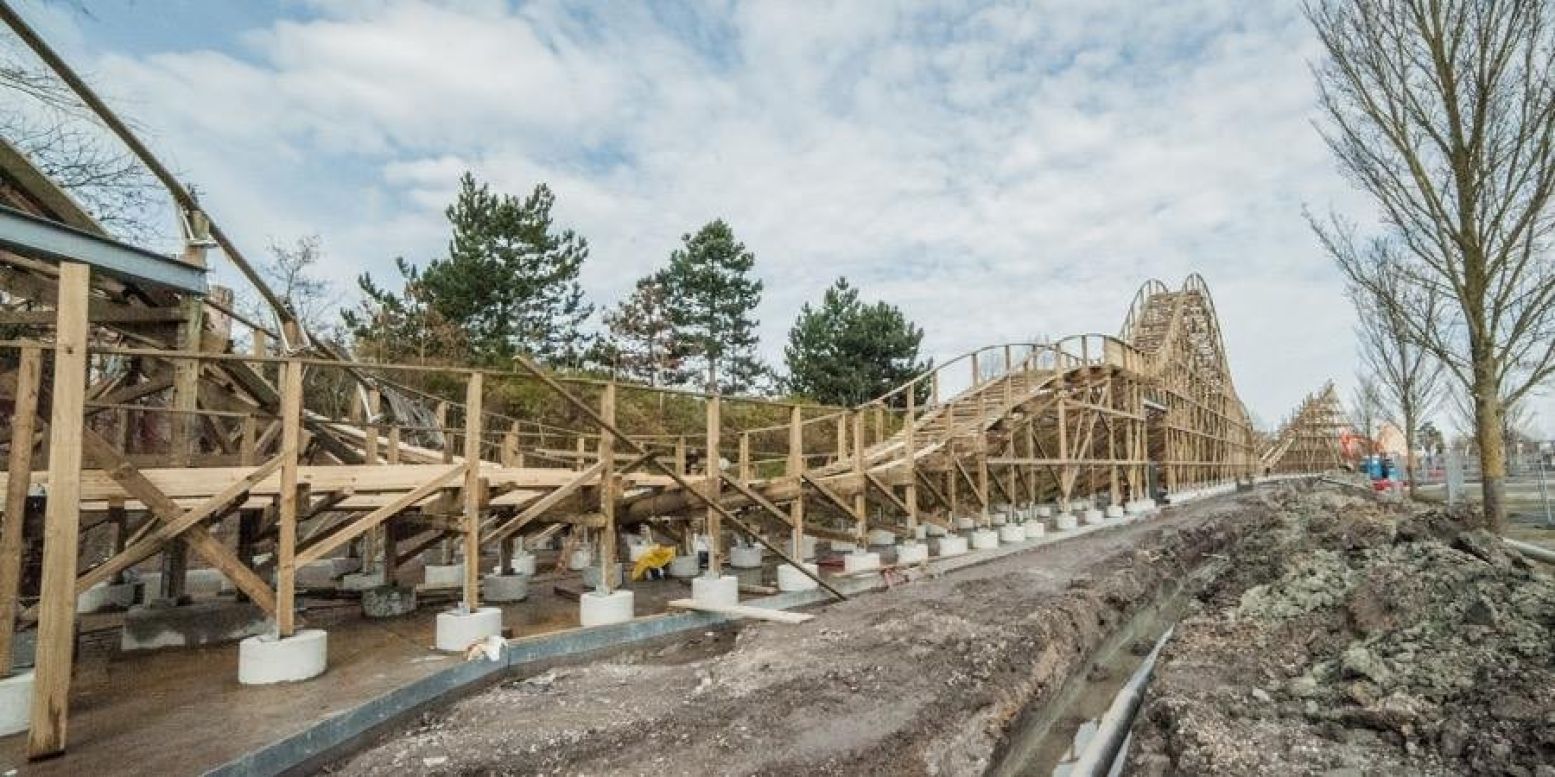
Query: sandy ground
(922, 679)
(1356, 638)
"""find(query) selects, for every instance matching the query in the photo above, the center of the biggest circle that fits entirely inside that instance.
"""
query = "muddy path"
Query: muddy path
(922, 679)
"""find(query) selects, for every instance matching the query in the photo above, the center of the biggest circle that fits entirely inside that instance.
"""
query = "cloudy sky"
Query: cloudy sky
(1000, 171)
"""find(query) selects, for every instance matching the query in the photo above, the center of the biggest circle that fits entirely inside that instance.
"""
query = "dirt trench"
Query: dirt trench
(1360, 638)
(922, 679)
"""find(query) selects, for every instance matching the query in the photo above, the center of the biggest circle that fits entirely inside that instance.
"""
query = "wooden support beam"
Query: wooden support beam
(795, 468)
(46, 735)
(286, 544)
(711, 487)
(472, 491)
(24, 416)
(544, 503)
(885, 491)
(607, 488)
(401, 503)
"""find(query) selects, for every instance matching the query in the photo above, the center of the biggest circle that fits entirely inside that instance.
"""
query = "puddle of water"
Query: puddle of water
(1049, 738)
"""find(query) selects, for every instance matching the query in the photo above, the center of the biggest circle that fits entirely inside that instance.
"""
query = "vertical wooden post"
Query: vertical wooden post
(714, 520)
(607, 487)
(861, 497)
(441, 414)
(62, 519)
(910, 458)
(510, 446)
(472, 491)
(24, 417)
(582, 456)
(745, 457)
(795, 469)
(680, 456)
(842, 437)
(879, 422)
(374, 406)
(977, 374)
(394, 445)
(934, 389)
(286, 524)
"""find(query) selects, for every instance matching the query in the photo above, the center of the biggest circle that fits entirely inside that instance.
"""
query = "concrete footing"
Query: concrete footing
(104, 596)
(952, 545)
(881, 537)
(685, 567)
(860, 561)
(388, 601)
(267, 659)
(158, 625)
(745, 557)
(15, 703)
(456, 630)
(443, 575)
(1043, 511)
(912, 553)
(1092, 516)
(716, 591)
(934, 530)
(590, 576)
(361, 581)
(791, 579)
(998, 519)
(985, 539)
(523, 564)
(838, 546)
(1065, 522)
(505, 588)
(597, 609)
(1034, 530)
(965, 524)
(1115, 511)
(582, 558)
(1012, 533)
(317, 574)
(920, 532)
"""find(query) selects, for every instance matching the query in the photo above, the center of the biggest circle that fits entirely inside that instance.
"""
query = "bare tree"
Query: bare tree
(1367, 410)
(1408, 379)
(1444, 112)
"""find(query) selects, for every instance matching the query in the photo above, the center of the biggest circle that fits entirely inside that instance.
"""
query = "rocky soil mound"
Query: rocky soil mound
(1360, 638)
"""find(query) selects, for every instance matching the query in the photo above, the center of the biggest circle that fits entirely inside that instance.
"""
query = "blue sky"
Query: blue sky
(1001, 171)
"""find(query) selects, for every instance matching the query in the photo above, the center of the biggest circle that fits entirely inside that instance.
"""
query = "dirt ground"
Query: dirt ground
(1359, 638)
(922, 679)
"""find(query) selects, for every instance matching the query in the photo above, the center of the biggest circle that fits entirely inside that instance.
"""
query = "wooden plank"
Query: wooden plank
(712, 465)
(607, 488)
(742, 611)
(24, 418)
(545, 503)
(50, 712)
(350, 532)
(286, 542)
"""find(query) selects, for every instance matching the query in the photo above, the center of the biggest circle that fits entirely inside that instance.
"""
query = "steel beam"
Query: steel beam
(41, 238)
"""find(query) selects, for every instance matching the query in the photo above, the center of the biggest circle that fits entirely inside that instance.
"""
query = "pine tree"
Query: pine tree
(389, 327)
(711, 297)
(846, 352)
(643, 343)
(510, 281)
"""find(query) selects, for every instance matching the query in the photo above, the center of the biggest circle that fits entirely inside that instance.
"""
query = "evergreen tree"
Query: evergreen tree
(510, 281)
(389, 327)
(846, 352)
(643, 343)
(711, 297)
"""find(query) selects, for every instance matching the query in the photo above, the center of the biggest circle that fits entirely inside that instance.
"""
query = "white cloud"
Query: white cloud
(1000, 172)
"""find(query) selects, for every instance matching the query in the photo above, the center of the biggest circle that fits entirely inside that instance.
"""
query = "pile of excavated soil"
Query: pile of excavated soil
(1358, 638)
(922, 679)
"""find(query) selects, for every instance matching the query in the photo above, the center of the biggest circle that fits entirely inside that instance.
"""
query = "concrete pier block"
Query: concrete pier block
(15, 703)
(860, 561)
(934, 530)
(590, 576)
(1043, 511)
(159, 625)
(361, 581)
(716, 591)
(1012, 533)
(965, 524)
(998, 519)
(443, 575)
(267, 659)
(388, 601)
(523, 564)
(582, 558)
(985, 539)
(505, 588)
(597, 609)
(881, 537)
(685, 567)
(950, 546)
(1115, 511)
(1035, 530)
(104, 596)
(808, 547)
(345, 565)
(1092, 516)
(457, 630)
(314, 574)
(838, 546)
(912, 553)
(1065, 522)
(920, 532)
(745, 557)
(791, 579)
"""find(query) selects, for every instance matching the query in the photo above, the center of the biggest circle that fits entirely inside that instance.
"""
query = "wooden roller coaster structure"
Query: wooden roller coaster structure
(142, 405)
